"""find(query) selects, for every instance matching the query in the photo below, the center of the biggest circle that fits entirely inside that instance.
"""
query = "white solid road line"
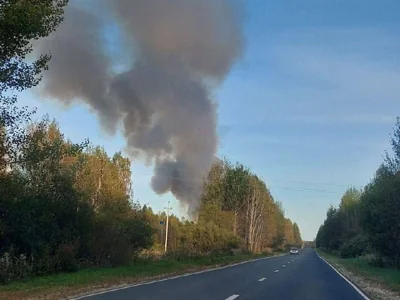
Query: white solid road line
(276, 271)
(262, 279)
(232, 297)
(348, 281)
(128, 286)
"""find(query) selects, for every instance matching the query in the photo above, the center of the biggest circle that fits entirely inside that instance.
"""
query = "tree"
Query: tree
(392, 162)
(47, 209)
(213, 187)
(380, 205)
(236, 190)
(12, 132)
(349, 210)
(297, 235)
(369, 220)
(330, 233)
(254, 213)
(39, 206)
(21, 22)
(104, 180)
(279, 237)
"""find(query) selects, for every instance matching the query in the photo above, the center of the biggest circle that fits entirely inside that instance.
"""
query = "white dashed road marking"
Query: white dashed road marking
(283, 266)
(129, 286)
(232, 297)
(262, 279)
(276, 271)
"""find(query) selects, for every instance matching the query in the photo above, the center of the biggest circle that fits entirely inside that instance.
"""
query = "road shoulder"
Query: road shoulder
(371, 286)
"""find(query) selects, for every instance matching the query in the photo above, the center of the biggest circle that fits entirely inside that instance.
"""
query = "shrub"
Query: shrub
(67, 257)
(355, 247)
(116, 242)
(45, 263)
(14, 267)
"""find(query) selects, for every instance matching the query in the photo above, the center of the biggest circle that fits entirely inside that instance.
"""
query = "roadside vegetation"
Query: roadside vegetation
(378, 283)
(87, 280)
(68, 207)
(364, 231)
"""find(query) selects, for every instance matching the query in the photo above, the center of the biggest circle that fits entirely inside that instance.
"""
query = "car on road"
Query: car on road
(294, 250)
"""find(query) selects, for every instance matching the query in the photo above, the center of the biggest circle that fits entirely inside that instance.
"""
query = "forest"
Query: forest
(366, 223)
(66, 206)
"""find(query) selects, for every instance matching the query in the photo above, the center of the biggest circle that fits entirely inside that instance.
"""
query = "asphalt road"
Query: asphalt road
(303, 276)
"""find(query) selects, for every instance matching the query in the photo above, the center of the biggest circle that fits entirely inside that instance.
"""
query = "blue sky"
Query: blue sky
(309, 108)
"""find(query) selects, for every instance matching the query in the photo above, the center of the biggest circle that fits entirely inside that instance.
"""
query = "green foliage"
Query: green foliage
(380, 205)
(246, 208)
(392, 162)
(14, 267)
(206, 238)
(117, 240)
(22, 21)
(362, 267)
(354, 247)
(236, 186)
(380, 218)
(49, 215)
(371, 215)
(330, 234)
(341, 224)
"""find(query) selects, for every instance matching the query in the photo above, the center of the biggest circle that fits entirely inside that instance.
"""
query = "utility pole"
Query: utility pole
(166, 228)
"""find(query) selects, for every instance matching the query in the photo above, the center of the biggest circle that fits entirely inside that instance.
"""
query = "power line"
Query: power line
(198, 183)
(305, 190)
(312, 182)
(275, 180)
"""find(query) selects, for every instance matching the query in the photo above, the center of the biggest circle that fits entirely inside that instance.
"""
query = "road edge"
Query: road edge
(128, 286)
(358, 290)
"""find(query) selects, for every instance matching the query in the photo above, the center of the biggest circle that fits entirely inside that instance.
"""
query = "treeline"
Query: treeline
(309, 244)
(367, 222)
(238, 201)
(236, 211)
(66, 206)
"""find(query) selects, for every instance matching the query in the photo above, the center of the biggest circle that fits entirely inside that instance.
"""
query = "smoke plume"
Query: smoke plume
(179, 50)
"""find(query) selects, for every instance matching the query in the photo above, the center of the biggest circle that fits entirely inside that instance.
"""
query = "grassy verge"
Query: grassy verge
(378, 283)
(60, 285)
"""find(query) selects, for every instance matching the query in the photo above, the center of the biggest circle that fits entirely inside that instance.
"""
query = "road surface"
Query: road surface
(303, 276)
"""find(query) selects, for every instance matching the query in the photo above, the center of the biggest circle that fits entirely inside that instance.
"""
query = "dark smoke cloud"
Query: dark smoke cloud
(180, 50)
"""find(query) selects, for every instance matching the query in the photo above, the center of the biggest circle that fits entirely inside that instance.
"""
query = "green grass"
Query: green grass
(386, 277)
(67, 283)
